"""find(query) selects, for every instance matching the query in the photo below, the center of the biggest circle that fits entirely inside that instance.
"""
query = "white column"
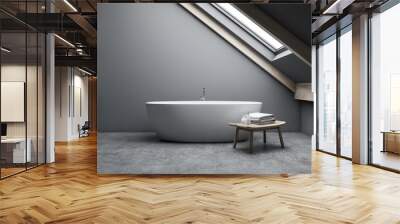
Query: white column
(63, 99)
(360, 90)
(50, 100)
(50, 92)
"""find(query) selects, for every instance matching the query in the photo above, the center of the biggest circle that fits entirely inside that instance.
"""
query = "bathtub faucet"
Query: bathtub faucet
(203, 98)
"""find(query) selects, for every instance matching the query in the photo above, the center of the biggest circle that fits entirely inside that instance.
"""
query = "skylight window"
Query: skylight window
(248, 24)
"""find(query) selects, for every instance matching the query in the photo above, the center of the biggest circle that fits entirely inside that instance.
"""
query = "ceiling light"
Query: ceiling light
(64, 40)
(5, 50)
(84, 71)
(79, 51)
(70, 5)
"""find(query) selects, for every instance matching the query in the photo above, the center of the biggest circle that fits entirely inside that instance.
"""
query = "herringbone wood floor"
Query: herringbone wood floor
(70, 191)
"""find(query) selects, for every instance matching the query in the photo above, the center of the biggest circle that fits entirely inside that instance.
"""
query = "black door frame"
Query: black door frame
(337, 36)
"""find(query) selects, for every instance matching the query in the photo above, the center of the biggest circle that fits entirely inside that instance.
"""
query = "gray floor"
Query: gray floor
(143, 153)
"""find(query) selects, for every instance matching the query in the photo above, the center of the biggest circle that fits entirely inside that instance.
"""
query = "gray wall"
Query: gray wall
(306, 117)
(293, 68)
(149, 52)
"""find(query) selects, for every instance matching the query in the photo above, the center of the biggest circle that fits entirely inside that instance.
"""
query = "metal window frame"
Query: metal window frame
(336, 38)
(389, 4)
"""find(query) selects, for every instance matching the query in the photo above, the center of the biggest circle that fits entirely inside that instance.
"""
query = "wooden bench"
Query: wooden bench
(251, 128)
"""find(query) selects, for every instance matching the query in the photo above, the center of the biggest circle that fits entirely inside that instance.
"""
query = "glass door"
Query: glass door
(334, 94)
(14, 153)
(22, 101)
(32, 98)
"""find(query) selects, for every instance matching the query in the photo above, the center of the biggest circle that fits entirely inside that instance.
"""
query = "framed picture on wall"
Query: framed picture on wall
(12, 101)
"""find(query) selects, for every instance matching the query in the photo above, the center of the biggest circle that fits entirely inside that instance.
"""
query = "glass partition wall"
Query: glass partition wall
(22, 98)
(13, 86)
(385, 89)
(334, 84)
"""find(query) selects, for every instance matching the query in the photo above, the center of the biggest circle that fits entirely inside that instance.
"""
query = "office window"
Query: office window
(327, 96)
(346, 93)
(385, 89)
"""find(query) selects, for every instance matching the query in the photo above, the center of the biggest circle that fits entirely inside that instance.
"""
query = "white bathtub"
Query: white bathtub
(198, 121)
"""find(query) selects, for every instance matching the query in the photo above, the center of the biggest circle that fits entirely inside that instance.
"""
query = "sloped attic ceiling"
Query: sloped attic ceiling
(204, 12)
(284, 63)
(288, 29)
(298, 71)
(296, 26)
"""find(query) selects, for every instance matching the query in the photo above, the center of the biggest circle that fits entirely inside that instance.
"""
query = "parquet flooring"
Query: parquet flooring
(70, 191)
(10, 171)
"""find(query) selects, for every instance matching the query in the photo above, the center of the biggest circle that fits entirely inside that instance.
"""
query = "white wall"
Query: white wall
(79, 117)
(62, 82)
(70, 83)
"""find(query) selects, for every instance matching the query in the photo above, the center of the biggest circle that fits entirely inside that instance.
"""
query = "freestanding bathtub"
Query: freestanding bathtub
(198, 121)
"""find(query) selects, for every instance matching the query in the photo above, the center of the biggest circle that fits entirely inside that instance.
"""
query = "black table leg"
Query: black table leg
(265, 136)
(280, 137)
(251, 141)
(236, 138)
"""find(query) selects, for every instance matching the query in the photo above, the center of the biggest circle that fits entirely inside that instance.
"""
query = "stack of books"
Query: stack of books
(261, 118)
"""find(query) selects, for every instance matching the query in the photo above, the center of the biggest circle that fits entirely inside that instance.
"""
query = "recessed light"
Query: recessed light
(70, 5)
(84, 71)
(5, 50)
(64, 40)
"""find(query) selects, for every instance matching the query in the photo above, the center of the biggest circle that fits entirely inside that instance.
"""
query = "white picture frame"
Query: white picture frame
(12, 101)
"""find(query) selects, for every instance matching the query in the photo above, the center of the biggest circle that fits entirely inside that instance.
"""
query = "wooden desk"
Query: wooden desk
(391, 141)
(16, 154)
(251, 128)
